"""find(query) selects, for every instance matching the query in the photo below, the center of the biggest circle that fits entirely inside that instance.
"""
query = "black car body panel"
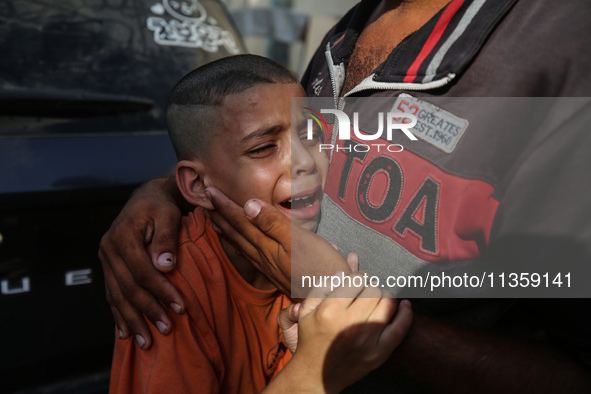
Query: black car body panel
(83, 87)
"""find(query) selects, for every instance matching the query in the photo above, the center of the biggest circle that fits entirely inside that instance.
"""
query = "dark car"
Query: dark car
(83, 85)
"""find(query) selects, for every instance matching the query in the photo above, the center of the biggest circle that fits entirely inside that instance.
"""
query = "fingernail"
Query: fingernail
(166, 260)
(120, 334)
(216, 228)
(208, 193)
(176, 307)
(252, 209)
(407, 303)
(161, 327)
(140, 340)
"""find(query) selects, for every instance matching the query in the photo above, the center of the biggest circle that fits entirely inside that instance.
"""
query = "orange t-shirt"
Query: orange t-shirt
(227, 340)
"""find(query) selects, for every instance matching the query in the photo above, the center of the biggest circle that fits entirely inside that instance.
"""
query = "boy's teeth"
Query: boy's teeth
(301, 202)
(299, 198)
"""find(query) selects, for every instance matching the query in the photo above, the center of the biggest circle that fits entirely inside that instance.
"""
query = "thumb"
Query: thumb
(353, 262)
(288, 316)
(395, 332)
(165, 243)
(263, 219)
(288, 322)
(268, 219)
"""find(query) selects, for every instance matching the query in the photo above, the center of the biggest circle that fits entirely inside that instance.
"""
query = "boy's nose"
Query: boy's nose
(302, 162)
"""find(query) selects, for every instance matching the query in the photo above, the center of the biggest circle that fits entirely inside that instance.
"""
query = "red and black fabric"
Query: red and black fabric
(504, 191)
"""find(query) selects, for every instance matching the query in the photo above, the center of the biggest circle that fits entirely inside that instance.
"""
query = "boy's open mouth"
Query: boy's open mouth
(305, 205)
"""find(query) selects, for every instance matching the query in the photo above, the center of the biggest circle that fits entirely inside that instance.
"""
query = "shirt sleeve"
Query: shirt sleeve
(543, 221)
(543, 225)
(185, 361)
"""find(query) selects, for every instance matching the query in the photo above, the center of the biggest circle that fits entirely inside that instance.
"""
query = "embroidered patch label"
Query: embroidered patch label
(440, 128)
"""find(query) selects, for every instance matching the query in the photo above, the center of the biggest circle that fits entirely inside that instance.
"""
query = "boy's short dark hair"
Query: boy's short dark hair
(189, 114)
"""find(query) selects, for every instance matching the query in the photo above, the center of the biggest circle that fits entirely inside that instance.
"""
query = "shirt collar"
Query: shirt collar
(440, 49)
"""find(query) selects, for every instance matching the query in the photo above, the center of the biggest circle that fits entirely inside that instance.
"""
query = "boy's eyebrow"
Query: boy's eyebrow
(261, 133)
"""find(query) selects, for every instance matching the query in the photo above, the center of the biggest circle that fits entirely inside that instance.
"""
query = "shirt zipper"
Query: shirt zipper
(369, 84)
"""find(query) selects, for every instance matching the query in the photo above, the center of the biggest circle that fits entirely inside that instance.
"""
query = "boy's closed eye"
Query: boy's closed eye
(262, 151)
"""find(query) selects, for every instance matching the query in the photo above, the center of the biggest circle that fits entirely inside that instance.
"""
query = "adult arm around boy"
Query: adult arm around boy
(430, 344)
(151, 215)
(122, 251)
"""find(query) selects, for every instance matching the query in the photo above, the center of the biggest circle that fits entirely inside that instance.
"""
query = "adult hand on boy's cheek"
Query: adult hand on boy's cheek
(133, 285)
(277, 248)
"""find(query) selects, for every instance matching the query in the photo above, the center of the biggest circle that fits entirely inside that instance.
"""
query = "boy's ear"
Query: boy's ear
(190, 180)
